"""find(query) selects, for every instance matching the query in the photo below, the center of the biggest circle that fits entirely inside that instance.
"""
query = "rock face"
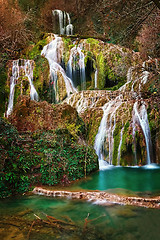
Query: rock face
(32, 116)
(120, 123)
(110, 88)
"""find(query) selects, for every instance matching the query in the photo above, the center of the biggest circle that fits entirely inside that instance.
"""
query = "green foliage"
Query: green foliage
(36, 49)
(101, 68)
(63, 157)
(15, 161)
(51, 157)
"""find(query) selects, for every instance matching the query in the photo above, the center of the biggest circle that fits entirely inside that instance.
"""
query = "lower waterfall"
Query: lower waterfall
(104, 140)
(141, 117)
(106, 130)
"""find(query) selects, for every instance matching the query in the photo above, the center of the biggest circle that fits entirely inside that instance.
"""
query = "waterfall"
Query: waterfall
(129, 79)
(119, 148)
(95, 78)
(28, 68)
(65, 26)
(69, 27)
(76, 55)
(13, 78)
(142, 119)
(53, 53)
(106, 129)
(18, 66)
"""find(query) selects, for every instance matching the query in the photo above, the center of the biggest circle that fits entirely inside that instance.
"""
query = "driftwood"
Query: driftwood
(102, 197)
(86, 221)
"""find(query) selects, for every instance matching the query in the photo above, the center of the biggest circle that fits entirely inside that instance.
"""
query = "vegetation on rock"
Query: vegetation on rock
(42, 157)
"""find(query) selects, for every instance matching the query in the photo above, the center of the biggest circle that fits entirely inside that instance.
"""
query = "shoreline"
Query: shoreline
(101, 197)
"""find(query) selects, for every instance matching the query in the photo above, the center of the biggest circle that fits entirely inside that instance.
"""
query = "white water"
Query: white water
(13, 78)
(107, 126)
(129, 80)
(141, 117)
(27, 67)
(95, 78)
(53, 53)
(106, 129)
(65, 26)
(119, 148)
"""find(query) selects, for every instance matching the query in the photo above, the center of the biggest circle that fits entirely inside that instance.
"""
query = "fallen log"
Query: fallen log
(102, 198)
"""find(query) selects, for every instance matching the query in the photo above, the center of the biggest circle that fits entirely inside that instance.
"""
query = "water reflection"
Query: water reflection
(133, 179)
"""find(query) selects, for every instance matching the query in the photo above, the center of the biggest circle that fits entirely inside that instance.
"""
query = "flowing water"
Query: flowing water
(141, 117)
(19, 67)
(65, 26)
(53, 52)
(106, 129)
(144, 181)
(119, 148)
(76, 66)
(95, 78)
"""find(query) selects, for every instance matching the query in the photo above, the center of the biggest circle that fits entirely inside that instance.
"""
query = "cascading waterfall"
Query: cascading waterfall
(140, 116)
(100, 137)
(119, 148)
(69, 27)
(27, 67)
(129, 79)
(95, 78)
(76, 61)
(65, 26)
(107, 126)
(106, 129)
(13, 78)
(111, 128)
(53, 53)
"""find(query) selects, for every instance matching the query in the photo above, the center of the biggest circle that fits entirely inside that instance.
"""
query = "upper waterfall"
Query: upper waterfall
(53, 52)
(65, 25)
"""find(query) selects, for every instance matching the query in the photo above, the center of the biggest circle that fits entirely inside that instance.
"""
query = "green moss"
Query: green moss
(101, 70)
(92, 41)
(92, 126)
(35, 49)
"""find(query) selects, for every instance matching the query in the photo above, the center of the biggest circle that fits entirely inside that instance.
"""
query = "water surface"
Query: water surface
(136, 180)
(114, 222)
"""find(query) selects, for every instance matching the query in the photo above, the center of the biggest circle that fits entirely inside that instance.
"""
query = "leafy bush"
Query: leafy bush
(48, 157)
